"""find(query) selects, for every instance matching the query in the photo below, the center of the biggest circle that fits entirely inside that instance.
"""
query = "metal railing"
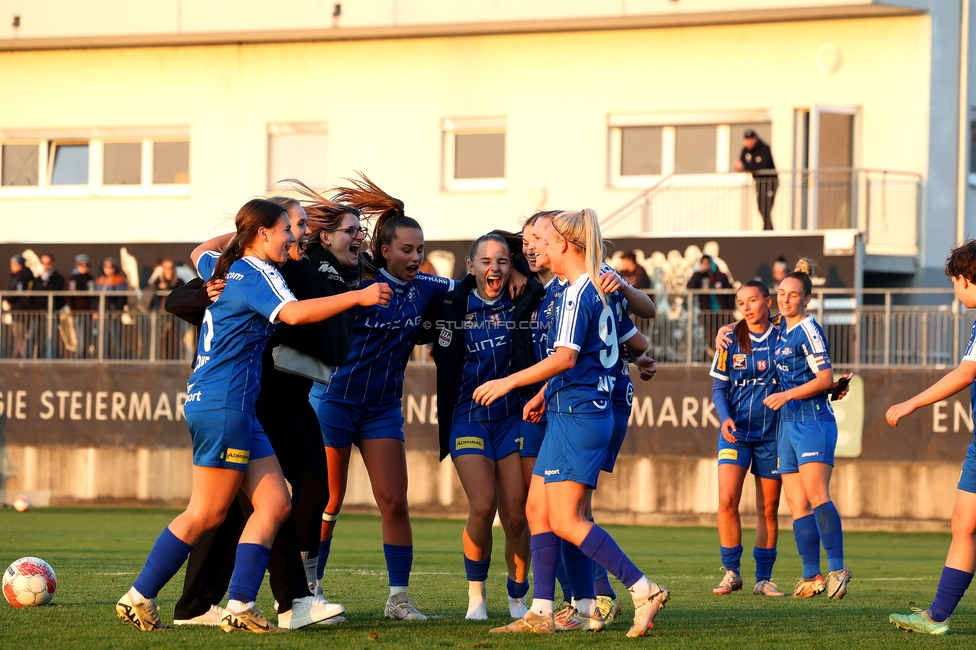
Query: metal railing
(115, 326)
(885, 205)
(925, 328)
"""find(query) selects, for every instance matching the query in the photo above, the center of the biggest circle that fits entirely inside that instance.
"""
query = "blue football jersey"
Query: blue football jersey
(487, 356)
(382, 338)
(749, 379)
(623, 387)
(970, 355)
(234, 332)
(586, 325)
(801, 352)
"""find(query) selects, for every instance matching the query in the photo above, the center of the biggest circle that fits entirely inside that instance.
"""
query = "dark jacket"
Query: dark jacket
(54, 282)
(757, 159)
(21, 281)
(81, 282)
(523, 348)
(713, 280)
(443, 325)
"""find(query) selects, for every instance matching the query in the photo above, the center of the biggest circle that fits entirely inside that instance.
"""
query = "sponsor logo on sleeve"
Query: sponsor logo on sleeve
(722, 364)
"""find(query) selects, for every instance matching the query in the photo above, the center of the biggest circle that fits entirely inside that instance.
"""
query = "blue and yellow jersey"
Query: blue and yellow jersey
(583, 323)
(234, 332)
(748, 379)
(382, 338)
(800, 353)
(487, 356)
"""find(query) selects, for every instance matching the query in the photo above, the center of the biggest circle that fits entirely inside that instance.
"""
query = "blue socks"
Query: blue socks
(765, 558)
(831, 534)
(476, 570)
(517, 589)
(601, 583)
(325, 547)
(808, 544)
(252, 560)
(563, 578)
(952, 586)
(579, 568)
(166, 557)
(600, 547)
(545, 557)
(732, 557)
(399, 561)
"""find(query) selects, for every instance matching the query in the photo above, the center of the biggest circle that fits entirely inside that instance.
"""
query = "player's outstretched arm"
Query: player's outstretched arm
(561, 360)
(638, 303)
(314, 310)
(957, 379)
(218, 243)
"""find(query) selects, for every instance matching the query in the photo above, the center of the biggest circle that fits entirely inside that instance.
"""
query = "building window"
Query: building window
(68, 163)
(107, 161)
(645, 148)
(298, 151)
(640, 150)
(695, 146)
(20, 165)
(171, 162)
(122, 163)
(474, 153)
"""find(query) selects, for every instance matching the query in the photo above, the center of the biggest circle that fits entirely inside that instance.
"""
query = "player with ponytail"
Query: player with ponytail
(361, 404)
(230, 449)
(579, 372)
(807, 436)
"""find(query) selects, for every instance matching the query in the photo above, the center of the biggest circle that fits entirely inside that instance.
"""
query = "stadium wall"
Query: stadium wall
(114, 435)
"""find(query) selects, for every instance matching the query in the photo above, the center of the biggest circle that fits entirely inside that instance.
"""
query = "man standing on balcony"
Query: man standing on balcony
(757, 159)
(21, 281)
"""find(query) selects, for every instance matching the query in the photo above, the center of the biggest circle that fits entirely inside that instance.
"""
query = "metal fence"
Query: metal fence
(925, 328)
(116, 326)
(868, 328)
(885, 205)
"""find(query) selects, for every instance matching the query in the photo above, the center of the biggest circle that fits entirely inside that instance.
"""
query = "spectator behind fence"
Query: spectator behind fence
(50, 280)
(77, 332)
(757, 159)
(113, 282)
(709, 277)
(632, 272)
(21, 280)
(780, 269)
(170, 331)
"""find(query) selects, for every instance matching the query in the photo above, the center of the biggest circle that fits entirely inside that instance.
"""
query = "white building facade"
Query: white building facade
(146, 122)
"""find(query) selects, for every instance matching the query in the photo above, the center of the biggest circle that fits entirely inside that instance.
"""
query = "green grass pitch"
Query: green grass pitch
(97, 553)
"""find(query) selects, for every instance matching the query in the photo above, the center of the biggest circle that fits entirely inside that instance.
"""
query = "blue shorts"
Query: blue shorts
(532, 434)
(226, 438)
(761, 456)
(620, 421)
(344, 423)
(575, 447)
(494, 438)
(967, 477)
(810, 441)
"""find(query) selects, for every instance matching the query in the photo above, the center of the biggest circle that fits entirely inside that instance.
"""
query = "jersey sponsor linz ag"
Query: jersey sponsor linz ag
(382, 338)
(234, 332)
(583, 323)
(749, 379)
(800, 353)
(487, 355)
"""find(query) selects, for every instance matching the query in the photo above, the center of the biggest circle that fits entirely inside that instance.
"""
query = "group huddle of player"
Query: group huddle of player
(533, 349)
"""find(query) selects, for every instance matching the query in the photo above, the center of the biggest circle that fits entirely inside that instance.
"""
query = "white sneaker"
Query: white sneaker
(306, 611)
(334, 620)
(210, 618)
(400, 607)
(516, 607)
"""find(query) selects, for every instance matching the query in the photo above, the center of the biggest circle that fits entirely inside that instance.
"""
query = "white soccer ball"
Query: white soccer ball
(22, 503)
(28, 582)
